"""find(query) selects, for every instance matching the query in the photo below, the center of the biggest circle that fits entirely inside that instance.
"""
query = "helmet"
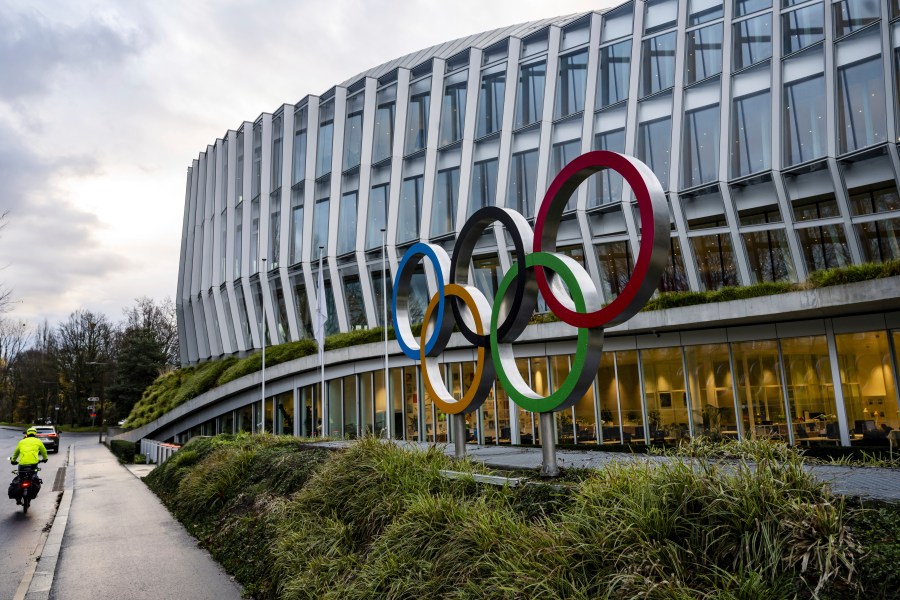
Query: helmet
(31, 431)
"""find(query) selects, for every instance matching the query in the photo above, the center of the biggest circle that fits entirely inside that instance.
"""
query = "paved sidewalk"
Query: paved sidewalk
(121, 543)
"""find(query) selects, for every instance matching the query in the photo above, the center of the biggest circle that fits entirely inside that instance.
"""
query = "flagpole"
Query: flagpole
(262, 427)
(388, 408)
(322, 340)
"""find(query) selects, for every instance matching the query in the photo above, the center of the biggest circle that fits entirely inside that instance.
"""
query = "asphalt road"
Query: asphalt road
(20, 533)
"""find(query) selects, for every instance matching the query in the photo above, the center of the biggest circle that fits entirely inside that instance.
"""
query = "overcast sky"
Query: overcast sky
(103, 105)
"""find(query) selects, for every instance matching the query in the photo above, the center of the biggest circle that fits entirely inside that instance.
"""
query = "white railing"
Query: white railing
(157, 452)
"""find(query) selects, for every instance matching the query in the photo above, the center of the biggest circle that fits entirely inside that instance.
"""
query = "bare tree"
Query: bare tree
(157, 319)
(85, 352)
(13, 340)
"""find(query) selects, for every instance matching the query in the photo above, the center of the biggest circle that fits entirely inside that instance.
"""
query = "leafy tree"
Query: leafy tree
(85, 354)
(140, 360)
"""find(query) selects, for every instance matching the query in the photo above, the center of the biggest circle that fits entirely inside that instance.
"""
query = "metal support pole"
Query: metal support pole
(549, 466)
(459, 435)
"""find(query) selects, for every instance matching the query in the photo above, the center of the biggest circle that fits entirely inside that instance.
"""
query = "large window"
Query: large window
(701, 11)
(560, 155)
(667, 409)
(320, 226)
(704, 53)
(616, 265)
(757, 373)
(752, 41)
(810, 389)
(804, 120)
(746, 7)
(254, 236)
(803, 27)
(301, 303)
(769, 256)
(256, 165)
(296, 232)
(607, 184)
(383, 144)
(298, 170)
(238, 239)
(522, 193)
(446, 191)
(530, 94)
(376, 219)
(325, 139)
(850, 15)
(378, 289)
(701, 146)
(658, 63)
(674, 278)
(653, 147)
(615, 67)
(417, 120)
(571, 81)
(824, 247)
(453, 109)
(712, 390)
(867, 379)
(410, 209)
(487, 273)
(715, 261)
(239, 169)
(277, 143)
(353, 131)
(661, 14)
(880, 240)
(484, 185)
(874, 200)
(490, 102)
(346, 241)
(862, 120)
(275, 231)
(356, 311)
(751, 134)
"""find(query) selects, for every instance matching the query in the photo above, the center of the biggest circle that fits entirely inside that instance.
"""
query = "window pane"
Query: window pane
(715, 261)
(376, 219)
(239, 169)
(629, 392)
(704, 53)
(561, 155)
(331, 323)
(346, 241)
(353, 131)
(615, 67)
(238, 240)
(325, 139)
(880, 240)
(751, 134)
(410, 209)
(752, 41)
(658, 64)
(803, 27)
(301, 302)
(320, 226)
(417, 122)
(275, 232)
(296, 233)
(256, 166)
(745, 7)
(277, 139)
(667, 409)
(810, 388)
(453, 113)
(862, 120)
(712, 391)
(484, 185)
(522, 193)
(606, 186)
(299, 167)
(661, 14)
(804, 120)
(867, 379)
(616, 265)
(851, 15)
(281, 322)
(701, 146)
(824, 247)
(356, 311)
(446, 191)
(654, 144)
(384, 125)
(701, 11)
(757, 373)
(490, 103)
(571, 81)
(876, 200)
(378, 290)
(486, 270)
(530, 95)
(819, 207)
(769, 256)
(254, 236)
(674, 278)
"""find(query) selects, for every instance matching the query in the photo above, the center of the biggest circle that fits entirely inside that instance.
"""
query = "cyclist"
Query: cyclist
(29, 452)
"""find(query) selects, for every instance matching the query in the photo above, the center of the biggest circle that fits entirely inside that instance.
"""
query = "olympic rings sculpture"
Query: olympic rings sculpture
(491, 326)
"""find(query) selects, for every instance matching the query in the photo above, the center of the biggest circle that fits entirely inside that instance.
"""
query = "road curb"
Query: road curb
(42, 578)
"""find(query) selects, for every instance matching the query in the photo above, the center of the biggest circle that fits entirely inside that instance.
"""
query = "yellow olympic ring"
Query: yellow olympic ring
(479, 310)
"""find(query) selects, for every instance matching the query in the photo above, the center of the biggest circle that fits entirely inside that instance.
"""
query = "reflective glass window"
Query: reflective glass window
(331, 323)
(281, 319)
(751, 134)
(616, 264)
(850, 15)
(880, 240)
(376, 219)
(674, 278)
(882, 198)
(385, 110)
(301, 303)
(745, 7)
(346, 241)
(757, 373)
(700, 154)
(275, 232)
(522, 193)
(867, 379)
(824, 247)
(490, 102)
(560, 155)
(453, 110)
(356, 311)
(484, 185)
(353, 131)
(277, 144)
(803, 27)
(661, 14)
(607, 391)
(335, 408)
(256, 165)
(349, 398)
(606, 186)
(667, 407)
(818, 207)
(298, 170)
(446, 191)
(701, 11)
(714, 257)
(417, 122)
(895, 8)
(752, 41)
(810, 389)
(238, 240)
(378, 289)
(320, 226)
(703, 53)
(296, 243)
(654, 147)
(629, 390)
(862, 118)
(486, 270)
(570, 84)
(530, 94)
(615, 69)
(617, 23)
(712, 391)
(239, 169)
(804, 120)
(254, 236)
(325, 139)
(410, 209)
(769, 256)
(658, 63)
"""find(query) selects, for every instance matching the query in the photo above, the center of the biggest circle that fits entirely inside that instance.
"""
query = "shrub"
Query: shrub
(124, 451)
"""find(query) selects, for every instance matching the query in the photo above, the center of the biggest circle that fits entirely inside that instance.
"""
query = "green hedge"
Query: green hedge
(124, 451)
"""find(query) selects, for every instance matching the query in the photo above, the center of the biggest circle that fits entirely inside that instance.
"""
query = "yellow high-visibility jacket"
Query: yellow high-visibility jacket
(29, 451)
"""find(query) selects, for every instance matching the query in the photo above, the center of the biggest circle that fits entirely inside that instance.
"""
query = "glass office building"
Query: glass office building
(773, 126)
